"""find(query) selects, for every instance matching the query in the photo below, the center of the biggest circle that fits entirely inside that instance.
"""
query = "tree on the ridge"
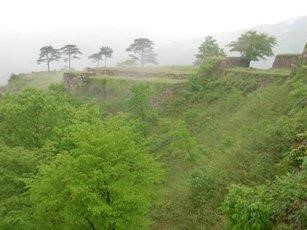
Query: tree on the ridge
(106, 52)
(254, 46)
(142, 49)
(96, 57)
(209, 48)
(70, 52)
(48, 54)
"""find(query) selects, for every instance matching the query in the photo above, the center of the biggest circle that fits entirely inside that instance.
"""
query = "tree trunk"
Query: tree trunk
(105, 65)
(48, 65)
(68, 62)
(142, 58)
(245, 62)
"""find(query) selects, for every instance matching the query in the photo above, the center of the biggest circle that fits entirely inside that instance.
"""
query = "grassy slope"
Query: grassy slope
(40, 80)
(225, 124)
(269, 72)
(144, 79)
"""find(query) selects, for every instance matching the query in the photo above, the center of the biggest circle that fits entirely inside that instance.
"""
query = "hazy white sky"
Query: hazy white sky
(168, 18)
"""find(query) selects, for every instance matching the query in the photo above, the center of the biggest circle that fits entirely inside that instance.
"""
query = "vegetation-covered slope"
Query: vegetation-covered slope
(218, 151)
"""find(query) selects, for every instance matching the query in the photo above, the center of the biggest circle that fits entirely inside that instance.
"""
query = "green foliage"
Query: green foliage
(179, 140)
(70, 52)
(141, 108)
(48, 54)
(209, 67)
(252, 45)
(233, 148)
(143, 51)
(209, 48)
(17, 166)
(280, 203)
(30, 118)
(106, 182)
(107, 52)
(245, 210)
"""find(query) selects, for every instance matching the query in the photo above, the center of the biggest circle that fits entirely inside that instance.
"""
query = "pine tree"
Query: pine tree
(48, 54)
(106, 52)
(71, 52)
(142, 49)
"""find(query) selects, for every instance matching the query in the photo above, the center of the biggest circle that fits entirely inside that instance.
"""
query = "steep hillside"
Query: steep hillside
(232, 145)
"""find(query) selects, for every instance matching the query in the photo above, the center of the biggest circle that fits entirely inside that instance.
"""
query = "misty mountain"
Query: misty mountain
(19, 49)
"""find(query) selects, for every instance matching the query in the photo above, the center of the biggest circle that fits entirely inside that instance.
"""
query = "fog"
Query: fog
(176, 27)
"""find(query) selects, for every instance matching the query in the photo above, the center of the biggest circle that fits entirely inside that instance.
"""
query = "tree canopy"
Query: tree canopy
(106, 182)
(106, 52)
(96, 57)
(254, 46)
(70, 52)
(209, 48)
(48, 54)
(142, 49)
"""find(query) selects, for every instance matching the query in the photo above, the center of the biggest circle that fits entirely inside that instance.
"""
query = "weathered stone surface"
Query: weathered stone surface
(290, 60)
(131, 73)
(287, 61)
(234, 62)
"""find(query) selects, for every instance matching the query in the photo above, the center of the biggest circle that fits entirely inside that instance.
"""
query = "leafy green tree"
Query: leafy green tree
(96, 57)
(48, 54)
(106, 52)
(209, 48)
(254, 46)
(142, 49)
(181, 141)
(70, 52)
(140, 108)
(17, 165)
(31, 117)
(106, 182)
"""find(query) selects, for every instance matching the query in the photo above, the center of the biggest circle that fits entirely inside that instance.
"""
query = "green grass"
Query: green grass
(143, 79)
(175, 69)
(267, 72)
(40, 80)
(230, 118)
(233, 126)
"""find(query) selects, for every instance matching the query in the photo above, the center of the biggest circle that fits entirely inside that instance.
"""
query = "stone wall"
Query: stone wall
(287, 61)
(228, 62)
(290, 60)
(73, 81)
(131, 73)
